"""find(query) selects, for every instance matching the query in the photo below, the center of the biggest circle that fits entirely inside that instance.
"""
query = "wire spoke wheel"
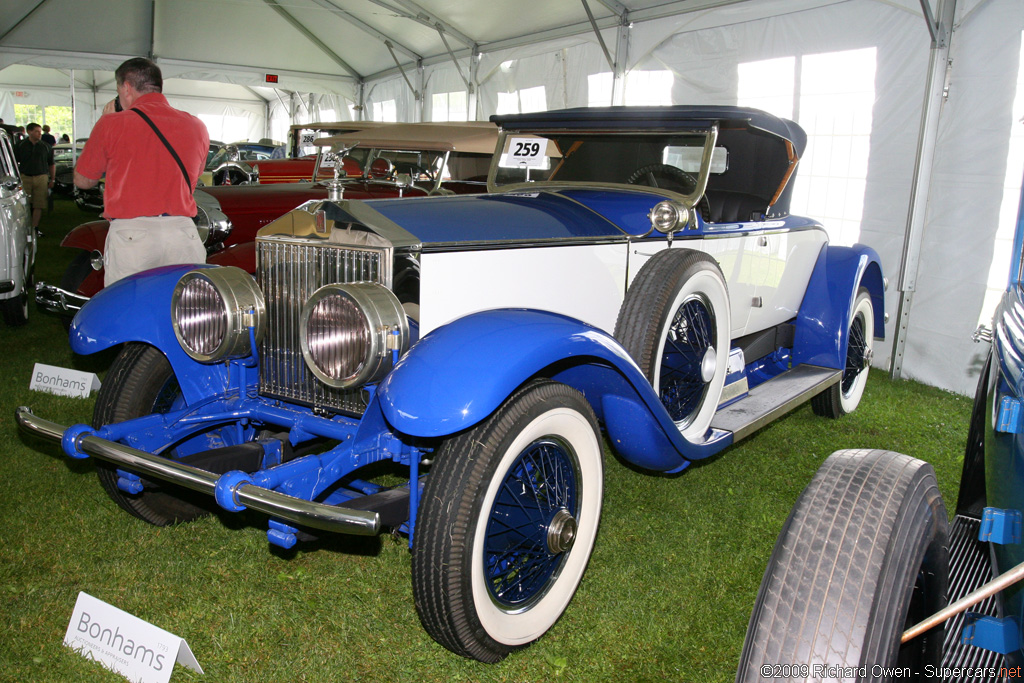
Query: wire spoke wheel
(537, 500)
(674, 322)
(690, 337)
(507, 523)
(844, 396)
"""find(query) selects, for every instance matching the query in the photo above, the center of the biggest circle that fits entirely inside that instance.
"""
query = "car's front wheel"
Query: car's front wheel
(863, 556)
(507, 523)
(140, 382)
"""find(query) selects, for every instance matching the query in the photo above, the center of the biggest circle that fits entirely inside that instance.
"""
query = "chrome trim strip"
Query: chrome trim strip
(57, 300)
(273, 503)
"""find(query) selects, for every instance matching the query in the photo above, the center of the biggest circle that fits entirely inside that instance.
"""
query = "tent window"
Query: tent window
(769, 85)
(522, 101)
(385, 111)
(599, 89)
(649, 88)
(1002, 251)
(226, 127)
(831, 96)
(449, 106)
(57, 118)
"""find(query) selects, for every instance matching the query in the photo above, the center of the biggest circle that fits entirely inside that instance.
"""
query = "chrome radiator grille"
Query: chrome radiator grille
(289, 271)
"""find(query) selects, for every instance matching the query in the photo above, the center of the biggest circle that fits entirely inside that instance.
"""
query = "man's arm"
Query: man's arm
(83, 183)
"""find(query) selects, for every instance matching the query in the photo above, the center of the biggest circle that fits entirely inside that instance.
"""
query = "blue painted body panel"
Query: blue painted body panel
(138, 309)
(449, 381)
(512, 217)
(821, 327)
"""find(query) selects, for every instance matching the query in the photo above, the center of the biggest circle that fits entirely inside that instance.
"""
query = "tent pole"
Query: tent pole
(938, 67)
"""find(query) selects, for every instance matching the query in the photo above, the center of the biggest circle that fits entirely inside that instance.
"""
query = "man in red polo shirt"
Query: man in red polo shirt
(148, 191)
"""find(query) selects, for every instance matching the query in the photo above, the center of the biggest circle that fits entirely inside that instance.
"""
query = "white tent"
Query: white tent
(913, 107)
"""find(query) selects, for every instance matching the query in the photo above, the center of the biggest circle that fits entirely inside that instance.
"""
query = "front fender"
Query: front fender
(138, 309)
(462, 372)
(241, 255)
(821, 329)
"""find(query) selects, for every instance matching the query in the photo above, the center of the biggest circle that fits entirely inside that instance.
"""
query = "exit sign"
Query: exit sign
(271, 78)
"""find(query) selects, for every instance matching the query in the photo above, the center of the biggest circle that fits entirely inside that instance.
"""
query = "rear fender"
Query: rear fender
(138, 309)
(821, 329)
(461, 373)
(87, 236)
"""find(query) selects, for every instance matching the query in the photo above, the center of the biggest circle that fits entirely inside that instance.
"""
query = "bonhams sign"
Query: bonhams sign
(136, 649)
(63, 381)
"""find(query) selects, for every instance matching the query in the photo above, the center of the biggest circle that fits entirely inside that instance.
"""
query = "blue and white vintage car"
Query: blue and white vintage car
(632, 273)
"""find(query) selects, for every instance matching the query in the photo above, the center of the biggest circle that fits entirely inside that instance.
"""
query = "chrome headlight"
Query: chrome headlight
(213, 224)
(348, 333)
(212, 309)
(669, 216)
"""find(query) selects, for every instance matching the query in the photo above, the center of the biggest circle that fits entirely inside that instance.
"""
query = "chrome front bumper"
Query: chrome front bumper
(57, 300)
(240, 494)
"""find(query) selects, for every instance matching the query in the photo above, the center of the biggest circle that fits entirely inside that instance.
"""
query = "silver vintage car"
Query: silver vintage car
(17, 239)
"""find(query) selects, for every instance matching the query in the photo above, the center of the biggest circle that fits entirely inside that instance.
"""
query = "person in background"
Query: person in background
(47, 138)
(65, 138)
(148, 192)
(35, 162)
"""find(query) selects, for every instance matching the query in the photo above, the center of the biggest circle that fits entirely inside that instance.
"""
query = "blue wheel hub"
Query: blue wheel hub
(689, 337)
(532, 524)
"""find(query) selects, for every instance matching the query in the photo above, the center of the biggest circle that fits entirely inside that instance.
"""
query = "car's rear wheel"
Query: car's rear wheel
(843, 397)
(675, 323)
(507, 523)
(862, 557)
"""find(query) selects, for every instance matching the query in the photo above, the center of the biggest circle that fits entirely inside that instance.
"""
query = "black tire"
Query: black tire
(843, 397)
(862, 557)
(15, 309)
(73, 277)
(674, 322)
(972, 497)
(468, 543)
(140, 381)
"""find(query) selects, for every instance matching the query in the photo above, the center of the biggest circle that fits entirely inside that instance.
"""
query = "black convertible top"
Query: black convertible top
(678, 117)
(763, 149)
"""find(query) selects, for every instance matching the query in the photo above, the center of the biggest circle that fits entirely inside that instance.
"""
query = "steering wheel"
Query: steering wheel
(670, 178)
(663, 176)
(417, 172)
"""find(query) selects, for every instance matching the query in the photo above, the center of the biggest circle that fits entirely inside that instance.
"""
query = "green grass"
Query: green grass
(667, 595)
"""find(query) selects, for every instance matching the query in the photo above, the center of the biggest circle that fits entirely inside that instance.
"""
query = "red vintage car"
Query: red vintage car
(397, 160)
(301, 161)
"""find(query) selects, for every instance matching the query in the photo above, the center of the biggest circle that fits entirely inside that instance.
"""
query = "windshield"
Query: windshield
(430, 167)
(670, 161)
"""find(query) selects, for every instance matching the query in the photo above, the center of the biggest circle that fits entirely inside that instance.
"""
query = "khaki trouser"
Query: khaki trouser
(137, 244)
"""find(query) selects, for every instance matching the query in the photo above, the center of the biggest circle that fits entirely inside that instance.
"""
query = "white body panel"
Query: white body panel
(588, 282)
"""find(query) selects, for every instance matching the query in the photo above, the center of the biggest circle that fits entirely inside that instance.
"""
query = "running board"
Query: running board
(969, 568)
(771, 399)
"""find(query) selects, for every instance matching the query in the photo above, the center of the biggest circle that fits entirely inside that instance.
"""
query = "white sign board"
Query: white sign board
(528, 152)
(136, 649)
(63, 381)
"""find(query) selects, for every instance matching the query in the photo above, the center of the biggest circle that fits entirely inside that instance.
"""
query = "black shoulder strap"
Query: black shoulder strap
(181, 166)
